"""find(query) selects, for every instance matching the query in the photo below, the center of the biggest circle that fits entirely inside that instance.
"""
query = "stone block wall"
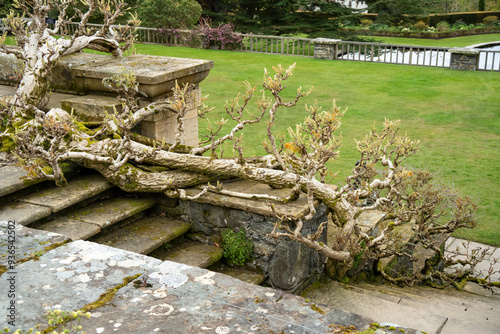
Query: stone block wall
(287, 264)
(464, 59)
(325, 48)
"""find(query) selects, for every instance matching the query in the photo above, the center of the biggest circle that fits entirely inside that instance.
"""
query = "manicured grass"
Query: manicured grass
(447, 42)
(455, 114)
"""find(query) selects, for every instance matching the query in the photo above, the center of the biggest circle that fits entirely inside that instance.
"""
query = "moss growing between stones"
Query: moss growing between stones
(317, 309)
(109, 294)
(37, 255)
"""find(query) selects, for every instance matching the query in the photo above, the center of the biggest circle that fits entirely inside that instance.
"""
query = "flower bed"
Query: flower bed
(491, 24)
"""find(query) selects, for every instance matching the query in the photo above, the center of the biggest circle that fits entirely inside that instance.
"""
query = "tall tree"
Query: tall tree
(481, 5)
(395, 12)
(170, 14)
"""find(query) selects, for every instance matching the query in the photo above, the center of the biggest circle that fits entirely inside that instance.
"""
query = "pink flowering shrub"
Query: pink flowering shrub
(222, 36)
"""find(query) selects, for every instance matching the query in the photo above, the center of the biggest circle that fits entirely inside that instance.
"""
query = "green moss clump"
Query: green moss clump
(317, 309)
(7, 143)
(237, 248)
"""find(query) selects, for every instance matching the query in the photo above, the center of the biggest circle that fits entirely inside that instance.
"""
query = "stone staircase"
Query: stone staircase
(90, 208)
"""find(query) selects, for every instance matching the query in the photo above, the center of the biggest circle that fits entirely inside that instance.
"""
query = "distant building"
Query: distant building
(353, 4)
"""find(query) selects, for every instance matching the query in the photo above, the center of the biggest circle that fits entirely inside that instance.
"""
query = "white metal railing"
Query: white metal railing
(489, 60)
(393, 54)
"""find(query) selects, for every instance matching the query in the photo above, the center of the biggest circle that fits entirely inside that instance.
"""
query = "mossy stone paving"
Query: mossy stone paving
(23, 213)
(14, 178)
(28, 241)
(104, 213)
(70, 277)
(77, 190)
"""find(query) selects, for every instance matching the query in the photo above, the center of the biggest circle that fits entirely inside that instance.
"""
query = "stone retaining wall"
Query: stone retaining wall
(287, 264)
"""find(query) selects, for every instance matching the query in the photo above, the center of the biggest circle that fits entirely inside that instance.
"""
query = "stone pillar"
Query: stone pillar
(163, 124)
(82, 74)
(325, 48)
(464, 59)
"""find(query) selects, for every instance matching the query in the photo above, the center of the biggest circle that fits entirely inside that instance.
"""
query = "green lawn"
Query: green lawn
(456, 114)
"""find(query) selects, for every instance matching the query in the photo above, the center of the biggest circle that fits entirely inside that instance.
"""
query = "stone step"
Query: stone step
(434, 299)
(41, 204)
(92, 219)
(14, 178)
(144, 235)
(244, 275)
(344, 297)
(91, 107)
(193, 254)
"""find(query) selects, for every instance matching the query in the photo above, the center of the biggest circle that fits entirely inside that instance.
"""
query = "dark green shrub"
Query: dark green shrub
(237, 248)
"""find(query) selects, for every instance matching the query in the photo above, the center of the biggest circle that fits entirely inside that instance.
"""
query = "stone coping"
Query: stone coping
(83, 72)
(465, 51)
(326, 41)
(297, 209)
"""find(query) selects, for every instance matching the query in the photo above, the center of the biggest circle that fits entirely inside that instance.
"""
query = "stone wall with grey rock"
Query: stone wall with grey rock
(325, 48)
(464, 59)
(287, 264)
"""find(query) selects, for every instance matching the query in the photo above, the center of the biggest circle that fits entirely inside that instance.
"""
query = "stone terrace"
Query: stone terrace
(169, 298)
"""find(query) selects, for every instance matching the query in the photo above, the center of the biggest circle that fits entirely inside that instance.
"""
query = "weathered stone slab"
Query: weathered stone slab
(155, 75)
(187, 300)
(74, 229)
(13, 179)
(194, 254)
(6, 90)
(244, 275)
(91, 108)
(297, 209)
(165, 128)
(77, 190)
(144, 235)
(23, 213)
(83, 72)
(108, 212)
(352, 299)
(69, 277)
(26, 241)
